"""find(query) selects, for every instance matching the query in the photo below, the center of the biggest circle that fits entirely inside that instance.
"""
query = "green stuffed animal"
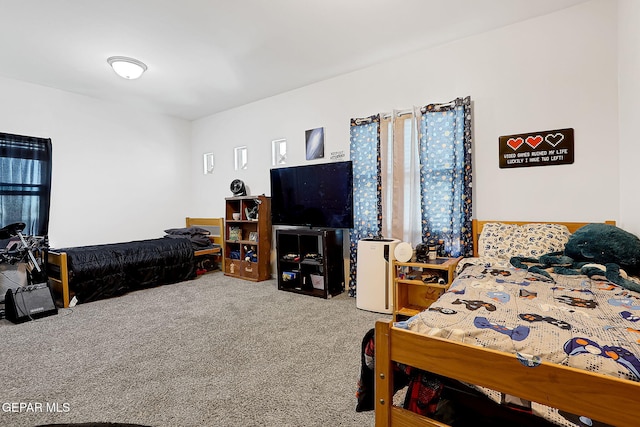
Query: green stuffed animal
(605, 244)
(599, 243)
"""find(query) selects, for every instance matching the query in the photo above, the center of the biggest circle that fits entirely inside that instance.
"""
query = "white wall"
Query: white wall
(118, 174)
(551, 72)
(629, 92)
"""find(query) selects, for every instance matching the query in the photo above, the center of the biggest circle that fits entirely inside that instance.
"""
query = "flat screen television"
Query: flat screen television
(319, 195)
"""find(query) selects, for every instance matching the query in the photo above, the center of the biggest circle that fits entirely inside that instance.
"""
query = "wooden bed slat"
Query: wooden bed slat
(383, 375)
(60, 283)
(405, 418)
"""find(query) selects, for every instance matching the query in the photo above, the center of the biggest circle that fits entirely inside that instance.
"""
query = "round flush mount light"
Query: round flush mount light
(127, 68)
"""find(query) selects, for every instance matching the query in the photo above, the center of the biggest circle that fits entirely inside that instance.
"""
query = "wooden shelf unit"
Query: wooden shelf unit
(245, 236)
(411, 294)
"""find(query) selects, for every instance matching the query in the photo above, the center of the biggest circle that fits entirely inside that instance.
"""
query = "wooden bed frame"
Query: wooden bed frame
(215, 226)
(600, 397)
(60, 283)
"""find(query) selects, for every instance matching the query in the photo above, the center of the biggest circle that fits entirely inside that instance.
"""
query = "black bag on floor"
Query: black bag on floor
(29, 302)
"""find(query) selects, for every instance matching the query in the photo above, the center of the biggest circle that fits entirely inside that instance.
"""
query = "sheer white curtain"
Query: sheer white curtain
(401, 204)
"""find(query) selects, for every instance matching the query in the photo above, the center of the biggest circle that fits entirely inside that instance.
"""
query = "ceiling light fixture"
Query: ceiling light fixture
(127, 68)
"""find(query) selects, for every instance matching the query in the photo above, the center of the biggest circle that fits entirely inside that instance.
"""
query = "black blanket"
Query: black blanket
(104, 271)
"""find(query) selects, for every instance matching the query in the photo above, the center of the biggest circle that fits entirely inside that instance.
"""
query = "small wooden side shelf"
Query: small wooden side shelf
(247, 248)
(416, 284)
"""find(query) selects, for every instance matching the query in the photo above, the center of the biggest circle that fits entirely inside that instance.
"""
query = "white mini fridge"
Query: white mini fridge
(374, 275)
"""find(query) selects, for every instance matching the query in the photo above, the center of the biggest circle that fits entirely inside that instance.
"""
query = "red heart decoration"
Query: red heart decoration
(534, 141)
(515, 143)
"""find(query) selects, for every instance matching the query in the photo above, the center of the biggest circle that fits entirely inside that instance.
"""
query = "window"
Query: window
(278, 152)
(413, 177)
(25, 182)
(400, 182)
(241, 157)
(425, 175)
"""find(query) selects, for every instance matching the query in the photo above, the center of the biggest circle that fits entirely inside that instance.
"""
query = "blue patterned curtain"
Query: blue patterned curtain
(367, 208)
(446, 175)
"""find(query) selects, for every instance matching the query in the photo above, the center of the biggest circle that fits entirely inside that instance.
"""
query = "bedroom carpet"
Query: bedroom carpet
(214, 351)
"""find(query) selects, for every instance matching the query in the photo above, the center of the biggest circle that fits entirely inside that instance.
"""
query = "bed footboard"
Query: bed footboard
(599, 397)
(58, 273)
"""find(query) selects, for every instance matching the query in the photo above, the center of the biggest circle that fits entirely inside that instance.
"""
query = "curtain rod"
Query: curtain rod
(398, 114)
(448, 104)
(361, 121)
(405, 112)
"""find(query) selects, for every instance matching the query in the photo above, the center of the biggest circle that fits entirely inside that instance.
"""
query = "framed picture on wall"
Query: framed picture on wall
(314, 143)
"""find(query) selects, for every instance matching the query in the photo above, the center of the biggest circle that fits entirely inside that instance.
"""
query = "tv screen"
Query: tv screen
(319, 195)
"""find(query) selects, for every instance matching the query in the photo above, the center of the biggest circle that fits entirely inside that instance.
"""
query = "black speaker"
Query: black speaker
(29, 302)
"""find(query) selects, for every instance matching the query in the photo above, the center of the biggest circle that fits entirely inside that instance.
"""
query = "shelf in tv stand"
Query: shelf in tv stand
(308, 291)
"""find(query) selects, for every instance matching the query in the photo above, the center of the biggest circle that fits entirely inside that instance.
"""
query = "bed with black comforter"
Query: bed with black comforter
(108, 270)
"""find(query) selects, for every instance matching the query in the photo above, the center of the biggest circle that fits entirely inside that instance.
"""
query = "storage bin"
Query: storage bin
(317, 281)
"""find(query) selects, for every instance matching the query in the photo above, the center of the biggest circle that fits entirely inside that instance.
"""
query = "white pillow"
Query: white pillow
(532, 240)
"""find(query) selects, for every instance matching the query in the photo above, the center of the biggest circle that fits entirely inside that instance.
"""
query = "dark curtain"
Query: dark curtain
(25, 182)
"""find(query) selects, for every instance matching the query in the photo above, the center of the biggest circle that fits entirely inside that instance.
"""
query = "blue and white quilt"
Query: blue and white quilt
(587, 323)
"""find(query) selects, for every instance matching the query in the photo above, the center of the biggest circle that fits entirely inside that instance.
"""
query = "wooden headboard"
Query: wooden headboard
(477, 225)
(215, 226)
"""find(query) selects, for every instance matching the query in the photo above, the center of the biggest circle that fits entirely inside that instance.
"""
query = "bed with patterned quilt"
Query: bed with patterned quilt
(562, 347)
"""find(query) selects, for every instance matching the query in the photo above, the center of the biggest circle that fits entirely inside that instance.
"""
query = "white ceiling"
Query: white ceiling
(206, 56)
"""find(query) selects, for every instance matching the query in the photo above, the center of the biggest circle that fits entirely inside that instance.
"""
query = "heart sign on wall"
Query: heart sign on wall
(550, 147)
